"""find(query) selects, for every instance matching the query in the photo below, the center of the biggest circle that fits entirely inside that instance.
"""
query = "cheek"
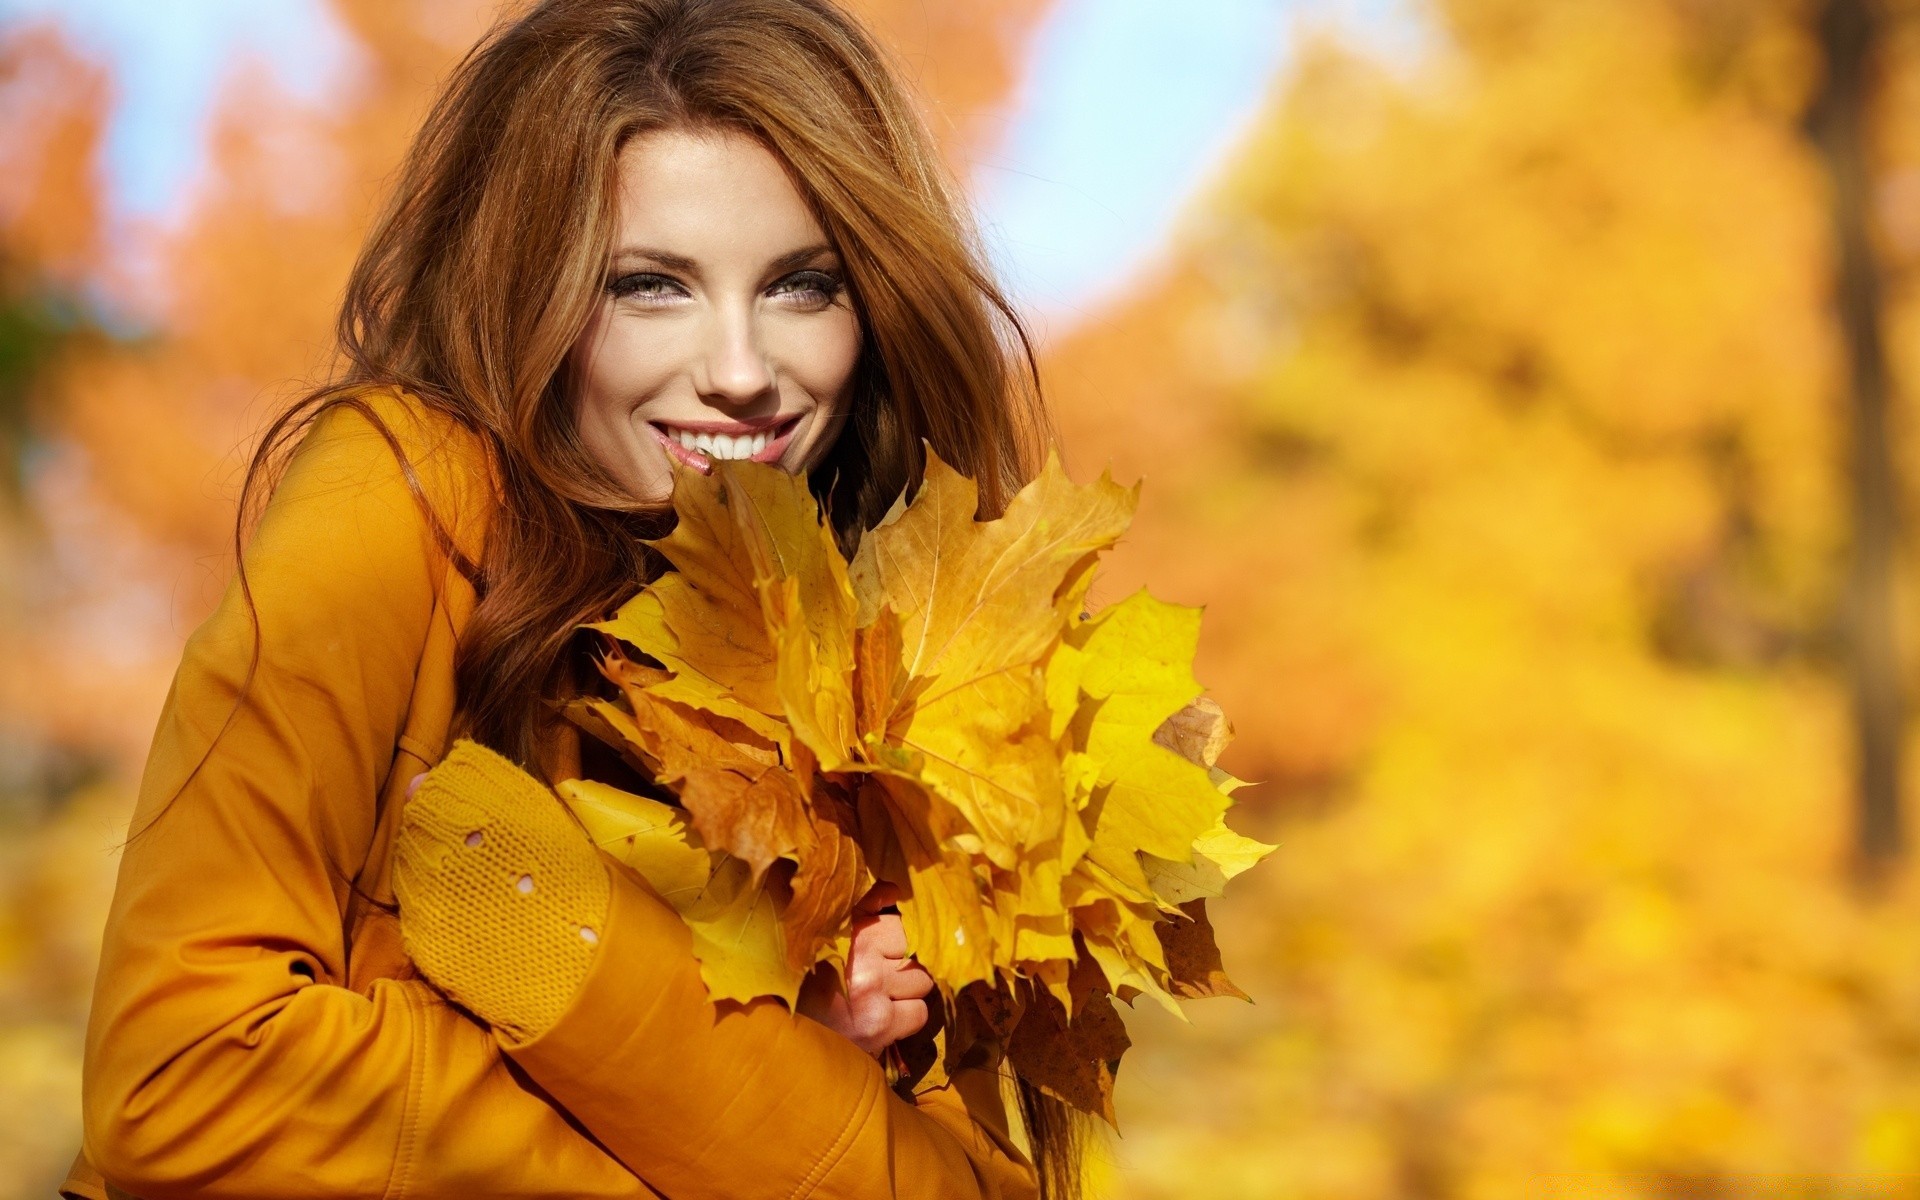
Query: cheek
(618, 364)
(616, 368)
(821, 356)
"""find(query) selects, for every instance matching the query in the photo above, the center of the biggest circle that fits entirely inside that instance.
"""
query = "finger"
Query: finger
(909, 1018)
(880, 896)
(910, 982)
(413, 785)
(886, 937)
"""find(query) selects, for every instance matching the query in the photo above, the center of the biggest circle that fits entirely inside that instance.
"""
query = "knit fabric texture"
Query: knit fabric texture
(502, 896)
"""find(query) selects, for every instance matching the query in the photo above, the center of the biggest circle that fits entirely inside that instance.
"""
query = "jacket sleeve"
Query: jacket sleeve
(735, 1102)
(225, 1055)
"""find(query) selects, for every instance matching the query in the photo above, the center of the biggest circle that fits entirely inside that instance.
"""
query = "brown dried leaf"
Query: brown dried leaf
(755, 819)
(1193, 960)
(1072, 1062)
(1198, 733)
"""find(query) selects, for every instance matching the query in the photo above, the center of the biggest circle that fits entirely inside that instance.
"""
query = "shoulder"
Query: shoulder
(426, 436)
(388, 435)
(383, 459)
(383, 506)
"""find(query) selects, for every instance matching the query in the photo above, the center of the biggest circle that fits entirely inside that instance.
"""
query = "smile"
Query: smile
(698, 443)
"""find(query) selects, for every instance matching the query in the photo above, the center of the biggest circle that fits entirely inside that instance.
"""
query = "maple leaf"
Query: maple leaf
(976, 605)
(942, 907)
(1219, 854)
(1193, 960)
(736, 931)
(1137, 672)
(1072, 1058)
(807, 603)
(703, 621)
(940, 713)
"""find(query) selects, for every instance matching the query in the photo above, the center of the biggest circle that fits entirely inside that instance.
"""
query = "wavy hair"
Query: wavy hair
(479, 274)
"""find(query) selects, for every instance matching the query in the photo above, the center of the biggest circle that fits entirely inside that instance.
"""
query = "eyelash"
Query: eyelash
(827, 285)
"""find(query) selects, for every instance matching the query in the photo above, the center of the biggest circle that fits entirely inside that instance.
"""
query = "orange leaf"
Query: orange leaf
(830, 877)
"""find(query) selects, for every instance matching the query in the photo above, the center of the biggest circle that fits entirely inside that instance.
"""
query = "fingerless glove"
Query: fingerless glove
(502, 896)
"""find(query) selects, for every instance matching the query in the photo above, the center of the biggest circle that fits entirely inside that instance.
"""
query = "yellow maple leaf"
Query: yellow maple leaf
(1138, 671)
(943, 908)
(1218, 855)
(643, 622)
(806, 602)
(977, 608)
(736, 930)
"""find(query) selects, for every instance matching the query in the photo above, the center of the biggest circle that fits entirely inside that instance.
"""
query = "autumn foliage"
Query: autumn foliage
(1509, 464)
(942, 714)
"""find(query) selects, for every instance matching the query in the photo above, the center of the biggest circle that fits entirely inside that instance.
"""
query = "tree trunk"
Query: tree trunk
(1849, 34)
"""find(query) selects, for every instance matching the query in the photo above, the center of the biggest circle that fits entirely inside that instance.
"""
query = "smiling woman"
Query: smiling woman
(630, 232)
(726, 330)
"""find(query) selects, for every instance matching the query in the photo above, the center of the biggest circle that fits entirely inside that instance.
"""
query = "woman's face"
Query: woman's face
(724, 328)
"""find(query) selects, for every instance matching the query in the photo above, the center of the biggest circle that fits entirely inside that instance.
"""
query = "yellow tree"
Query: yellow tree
(1494, 411)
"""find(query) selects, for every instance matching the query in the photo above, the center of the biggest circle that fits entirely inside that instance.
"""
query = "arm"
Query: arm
(226, 1054)
(704, 1101)
(750, 1076)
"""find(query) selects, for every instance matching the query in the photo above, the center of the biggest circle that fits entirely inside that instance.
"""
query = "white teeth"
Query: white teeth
(719, 445)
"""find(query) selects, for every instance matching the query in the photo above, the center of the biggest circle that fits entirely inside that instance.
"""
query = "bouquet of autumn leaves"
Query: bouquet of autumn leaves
(941, 714)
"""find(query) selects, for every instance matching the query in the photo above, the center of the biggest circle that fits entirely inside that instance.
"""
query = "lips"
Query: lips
(699, 443)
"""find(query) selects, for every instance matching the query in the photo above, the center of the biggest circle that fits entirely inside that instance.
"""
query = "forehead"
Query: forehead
(710, 195)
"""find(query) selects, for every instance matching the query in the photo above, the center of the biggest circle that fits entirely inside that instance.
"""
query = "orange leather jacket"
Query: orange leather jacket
(257, 1030)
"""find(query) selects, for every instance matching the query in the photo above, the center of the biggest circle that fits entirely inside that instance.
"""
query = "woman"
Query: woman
(630, 231)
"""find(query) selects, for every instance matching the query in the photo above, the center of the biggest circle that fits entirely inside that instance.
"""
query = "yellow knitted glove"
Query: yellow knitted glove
(502, 897)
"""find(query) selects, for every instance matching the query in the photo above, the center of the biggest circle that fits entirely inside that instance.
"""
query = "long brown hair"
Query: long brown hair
(483, 269)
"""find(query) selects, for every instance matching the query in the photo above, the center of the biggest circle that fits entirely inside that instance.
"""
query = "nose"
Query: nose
(733, 371)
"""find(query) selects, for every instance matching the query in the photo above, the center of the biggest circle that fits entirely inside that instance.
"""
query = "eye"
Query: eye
(811, 289)
(646, 287)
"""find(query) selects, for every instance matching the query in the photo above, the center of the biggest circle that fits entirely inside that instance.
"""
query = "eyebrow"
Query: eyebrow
(680, 262)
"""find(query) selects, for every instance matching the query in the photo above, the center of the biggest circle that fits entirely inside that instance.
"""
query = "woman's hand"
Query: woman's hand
(885, 996)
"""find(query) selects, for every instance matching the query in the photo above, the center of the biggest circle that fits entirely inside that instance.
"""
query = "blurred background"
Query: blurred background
(1522, 385)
